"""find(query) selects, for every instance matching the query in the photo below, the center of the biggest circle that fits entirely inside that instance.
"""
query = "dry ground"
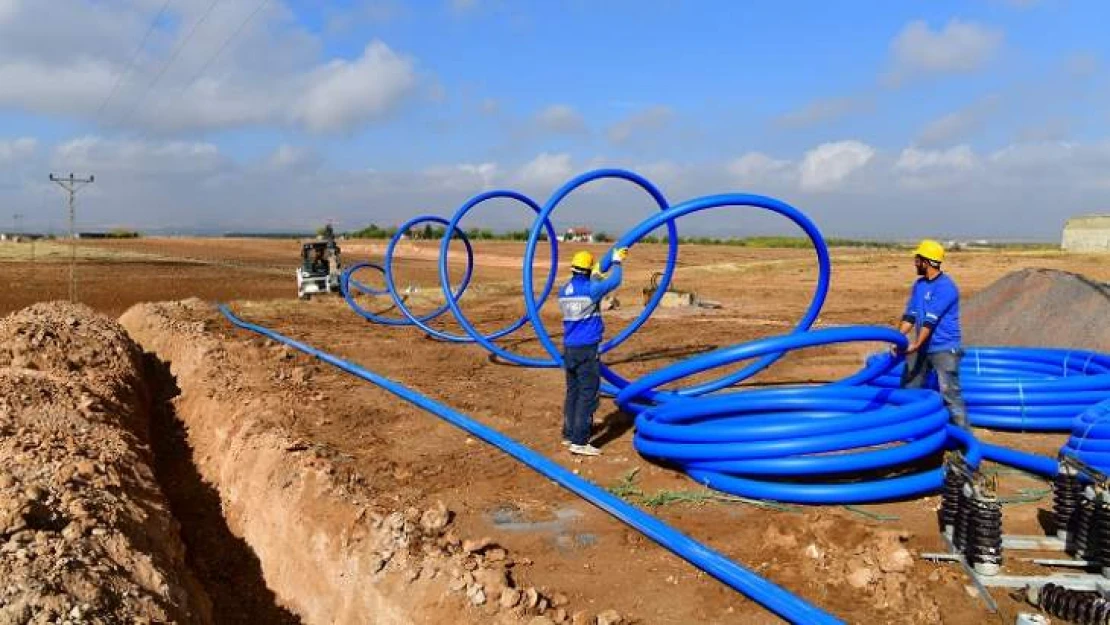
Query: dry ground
(576, 549)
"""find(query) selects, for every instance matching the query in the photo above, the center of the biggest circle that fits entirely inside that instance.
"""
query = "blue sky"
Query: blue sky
(887, 119)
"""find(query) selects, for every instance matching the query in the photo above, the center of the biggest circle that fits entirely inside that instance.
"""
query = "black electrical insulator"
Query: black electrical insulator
(963, 519)
(1078, 536)
(954, 480)
(984, 538)
(1098, 539)
(1066, 492)
(1085, 607)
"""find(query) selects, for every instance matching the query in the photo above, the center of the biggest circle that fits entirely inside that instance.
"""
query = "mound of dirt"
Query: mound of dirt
(85, 533)
(1040, 308)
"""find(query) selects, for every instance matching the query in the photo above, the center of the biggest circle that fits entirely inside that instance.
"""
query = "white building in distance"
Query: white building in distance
(1087, 233)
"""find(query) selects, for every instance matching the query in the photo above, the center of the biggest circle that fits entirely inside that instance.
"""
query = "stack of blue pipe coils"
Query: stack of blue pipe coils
(856, 440)
(1027, 389)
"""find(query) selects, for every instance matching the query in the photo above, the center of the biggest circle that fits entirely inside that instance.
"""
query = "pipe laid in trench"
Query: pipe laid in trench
(763, 591)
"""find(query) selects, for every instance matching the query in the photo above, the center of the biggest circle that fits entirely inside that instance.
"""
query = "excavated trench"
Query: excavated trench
(223, 563)
(281, 529)
(157, 486)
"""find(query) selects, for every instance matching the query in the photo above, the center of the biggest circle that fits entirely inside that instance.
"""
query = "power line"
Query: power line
(227, 42)
(134, 59)
(173, 57)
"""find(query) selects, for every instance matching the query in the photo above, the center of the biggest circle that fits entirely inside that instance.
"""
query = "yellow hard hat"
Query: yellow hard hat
(930, 250)
(582, 260)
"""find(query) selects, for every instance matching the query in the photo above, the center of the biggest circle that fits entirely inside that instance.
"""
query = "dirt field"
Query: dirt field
(848, 561)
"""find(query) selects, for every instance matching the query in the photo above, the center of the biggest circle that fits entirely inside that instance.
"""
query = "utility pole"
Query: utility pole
(72, 185)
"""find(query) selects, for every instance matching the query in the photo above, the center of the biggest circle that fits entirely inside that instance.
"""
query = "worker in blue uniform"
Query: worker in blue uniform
(931, 322)
(583, 329)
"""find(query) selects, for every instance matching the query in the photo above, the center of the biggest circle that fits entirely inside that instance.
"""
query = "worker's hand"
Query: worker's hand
(620, 254)
(596, 271)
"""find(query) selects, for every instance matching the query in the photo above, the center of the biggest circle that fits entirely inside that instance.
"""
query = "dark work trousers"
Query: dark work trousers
(583, 381)
(946, 363)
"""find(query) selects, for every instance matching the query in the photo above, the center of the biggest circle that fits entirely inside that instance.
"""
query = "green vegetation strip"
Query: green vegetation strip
(626, 489)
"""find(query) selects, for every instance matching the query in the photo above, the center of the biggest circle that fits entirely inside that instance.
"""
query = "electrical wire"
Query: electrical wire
(172, 58)
(134, 59)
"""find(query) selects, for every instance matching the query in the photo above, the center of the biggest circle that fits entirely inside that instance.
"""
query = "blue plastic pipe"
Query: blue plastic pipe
(797, 445)
(1026, 388)
(793, 444)
(766, 593)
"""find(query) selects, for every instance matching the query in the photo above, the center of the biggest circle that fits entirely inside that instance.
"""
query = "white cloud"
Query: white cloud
(756, 168)
(273, 73)
(291, 158)
(464, 176)
(96, 154)
(960, 47)
(915, 160)
(829, 164)
(51, 88)
(956, 126)
(648, 120)
(347, 93)
(820, 111)
(921, 169)
(562, 119)
(8, 9)
(17, 149)
(545, 171)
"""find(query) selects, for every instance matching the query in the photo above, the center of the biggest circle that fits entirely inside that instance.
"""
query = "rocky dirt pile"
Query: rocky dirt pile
(85, 534)
(1040, 307)
(871, 563)
(334, 547)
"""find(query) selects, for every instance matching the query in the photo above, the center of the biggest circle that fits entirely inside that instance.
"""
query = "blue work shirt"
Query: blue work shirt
(935, 304)
(580, 303)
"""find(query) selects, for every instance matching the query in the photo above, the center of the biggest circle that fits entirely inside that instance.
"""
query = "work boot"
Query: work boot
(584, 450)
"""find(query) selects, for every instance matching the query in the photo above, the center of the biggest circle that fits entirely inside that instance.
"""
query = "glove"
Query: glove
(619, 255)
(596, 271)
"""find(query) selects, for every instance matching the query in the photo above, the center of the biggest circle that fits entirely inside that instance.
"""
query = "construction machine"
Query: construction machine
(320, 266)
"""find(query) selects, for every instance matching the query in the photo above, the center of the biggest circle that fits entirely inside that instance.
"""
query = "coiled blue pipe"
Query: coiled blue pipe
(1090, 437)
(769, 595)
(1026, 388)
(761, 443)
(715, 437)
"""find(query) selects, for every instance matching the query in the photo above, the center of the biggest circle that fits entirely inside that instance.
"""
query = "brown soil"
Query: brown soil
(86, 535)
(336, 544)
(265, 418)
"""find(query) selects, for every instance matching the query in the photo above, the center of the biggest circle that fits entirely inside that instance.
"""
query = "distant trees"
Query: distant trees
(373, 232)
(434, 233)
